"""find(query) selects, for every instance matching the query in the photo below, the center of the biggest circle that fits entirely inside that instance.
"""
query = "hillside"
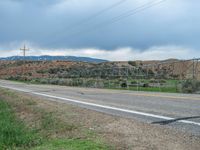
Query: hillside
(68, 69)
(166, 75)
(54, 58)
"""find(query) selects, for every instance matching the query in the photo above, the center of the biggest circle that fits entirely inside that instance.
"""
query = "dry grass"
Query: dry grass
(86, 124)
(45, 119)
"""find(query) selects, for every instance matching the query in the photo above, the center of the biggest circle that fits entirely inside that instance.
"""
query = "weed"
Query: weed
(72, 144)
(13, 132)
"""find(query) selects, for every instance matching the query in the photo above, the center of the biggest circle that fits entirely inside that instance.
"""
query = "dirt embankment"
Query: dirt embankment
(52, 69)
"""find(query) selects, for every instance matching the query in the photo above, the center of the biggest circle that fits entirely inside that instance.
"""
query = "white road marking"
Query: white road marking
(103, 106)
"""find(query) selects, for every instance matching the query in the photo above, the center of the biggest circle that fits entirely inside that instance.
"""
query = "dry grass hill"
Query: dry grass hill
(42, 69)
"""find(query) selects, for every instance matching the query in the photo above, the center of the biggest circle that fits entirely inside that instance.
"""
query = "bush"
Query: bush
(145, 85)
(54, 81)
(190, 86)
(42, 71)
(54, 70)
(99, 84)
(17, 78)
(132, 63)
(62, 82)
(36, 80)
(124, 85)
(134, 82)
(153, 81)
(44, 81)
(162, 81)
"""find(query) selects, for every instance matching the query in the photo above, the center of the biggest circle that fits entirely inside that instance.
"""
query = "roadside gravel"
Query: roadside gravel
(124, 134)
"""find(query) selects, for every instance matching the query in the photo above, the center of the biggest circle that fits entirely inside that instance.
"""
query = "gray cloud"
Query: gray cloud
(54, 24)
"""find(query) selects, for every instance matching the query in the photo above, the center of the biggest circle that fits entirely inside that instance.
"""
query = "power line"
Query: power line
(133, 12)
(101, 12)
(128, 14)
(121, 16)
(96, 15)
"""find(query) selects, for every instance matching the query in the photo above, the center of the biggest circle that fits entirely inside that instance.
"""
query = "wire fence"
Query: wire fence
(170, 76)
(165, 77)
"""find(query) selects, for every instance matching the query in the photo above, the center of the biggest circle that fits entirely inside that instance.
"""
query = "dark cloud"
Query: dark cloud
(58, 24)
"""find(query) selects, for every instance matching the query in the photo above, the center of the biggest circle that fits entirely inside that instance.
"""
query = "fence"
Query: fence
(165, 76)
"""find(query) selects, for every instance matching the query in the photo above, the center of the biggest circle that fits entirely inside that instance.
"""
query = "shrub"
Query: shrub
(132, 63)
(152, 81)
(99, 84)
(162, 81)
(44, 81)
(54, 81)
(30, 74)
(190, 86)
(54, 70)
(62, 82)
(145, 85)
(134, 82)
(151, 74)
(42, 71)
(36, 80)
(124, 85)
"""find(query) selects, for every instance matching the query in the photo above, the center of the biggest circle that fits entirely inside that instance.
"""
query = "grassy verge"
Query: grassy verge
(171, 85)
(24, 124)
(155, 89)
(14, 134)
(71, 144)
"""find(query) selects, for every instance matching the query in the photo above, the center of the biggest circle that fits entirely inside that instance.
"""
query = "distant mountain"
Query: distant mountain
(54, 58)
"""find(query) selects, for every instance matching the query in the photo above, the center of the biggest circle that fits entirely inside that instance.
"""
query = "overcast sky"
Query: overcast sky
(85, 28)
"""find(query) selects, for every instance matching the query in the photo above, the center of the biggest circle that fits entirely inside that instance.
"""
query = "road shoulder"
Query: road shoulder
(121, 132)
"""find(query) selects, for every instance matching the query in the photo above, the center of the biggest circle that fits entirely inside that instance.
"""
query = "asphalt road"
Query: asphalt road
(179, 111)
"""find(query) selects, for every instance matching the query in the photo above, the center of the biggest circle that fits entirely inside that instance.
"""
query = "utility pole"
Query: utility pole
(193, 69)
(24, 49)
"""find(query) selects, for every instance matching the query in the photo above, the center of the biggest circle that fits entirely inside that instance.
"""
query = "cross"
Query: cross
(24, 49)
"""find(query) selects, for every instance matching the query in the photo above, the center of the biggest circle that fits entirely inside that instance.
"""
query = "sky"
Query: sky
(101, 29)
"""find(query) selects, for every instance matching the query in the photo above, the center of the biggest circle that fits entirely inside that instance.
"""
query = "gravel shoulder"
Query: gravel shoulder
(120, 133)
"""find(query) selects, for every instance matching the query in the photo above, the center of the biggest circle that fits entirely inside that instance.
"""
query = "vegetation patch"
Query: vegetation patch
(191, 86)
(132, 75)
(25, 124)
(72, 144)
(13, 133)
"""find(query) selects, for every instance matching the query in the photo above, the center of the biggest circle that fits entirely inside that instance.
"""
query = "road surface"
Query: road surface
(179, 111)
